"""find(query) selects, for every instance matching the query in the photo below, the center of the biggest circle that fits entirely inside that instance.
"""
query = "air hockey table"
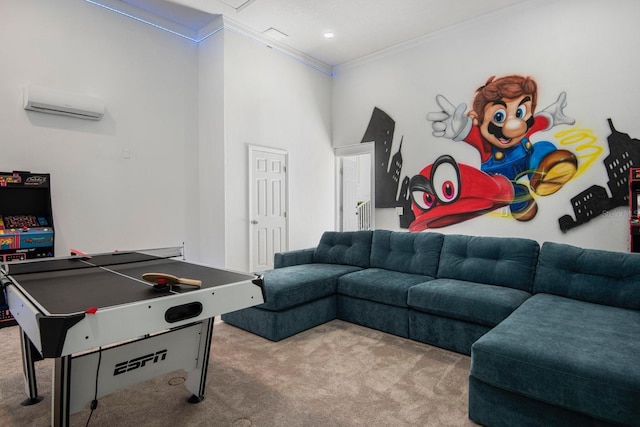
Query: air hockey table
(107, 328)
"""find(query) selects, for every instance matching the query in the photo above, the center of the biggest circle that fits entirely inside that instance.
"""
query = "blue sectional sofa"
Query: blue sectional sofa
(553, 331)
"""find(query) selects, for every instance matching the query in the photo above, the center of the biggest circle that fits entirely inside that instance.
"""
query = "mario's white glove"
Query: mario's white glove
(451, 122)
(555, 112)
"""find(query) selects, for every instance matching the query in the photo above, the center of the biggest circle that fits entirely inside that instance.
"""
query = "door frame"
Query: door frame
(348, 151)
(251, 148)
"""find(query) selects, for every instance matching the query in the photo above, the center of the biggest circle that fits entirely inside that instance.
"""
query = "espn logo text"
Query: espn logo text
(139, 362)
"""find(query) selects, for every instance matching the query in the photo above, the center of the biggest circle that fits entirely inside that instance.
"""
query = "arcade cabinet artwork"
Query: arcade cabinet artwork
(26, 221)
(634, 205)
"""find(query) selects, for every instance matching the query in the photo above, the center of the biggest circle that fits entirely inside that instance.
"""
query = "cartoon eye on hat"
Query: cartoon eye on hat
(442, 185)
(446, 193)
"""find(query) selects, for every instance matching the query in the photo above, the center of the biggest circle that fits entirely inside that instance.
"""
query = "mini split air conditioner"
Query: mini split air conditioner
(53, 101)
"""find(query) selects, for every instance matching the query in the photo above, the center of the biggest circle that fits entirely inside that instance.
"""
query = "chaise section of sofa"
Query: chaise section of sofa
(376, 297)
(300, 292)
(480, 281)
(570, 354)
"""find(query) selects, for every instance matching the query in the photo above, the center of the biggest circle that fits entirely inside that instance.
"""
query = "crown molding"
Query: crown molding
(237, 28)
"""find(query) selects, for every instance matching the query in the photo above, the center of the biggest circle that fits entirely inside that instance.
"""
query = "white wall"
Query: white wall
(211, 223)
(273, 100)
(186, 113)
(586, 48)
(148, 80)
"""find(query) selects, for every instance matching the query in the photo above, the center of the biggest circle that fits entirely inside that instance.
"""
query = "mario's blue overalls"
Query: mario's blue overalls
(516, 161)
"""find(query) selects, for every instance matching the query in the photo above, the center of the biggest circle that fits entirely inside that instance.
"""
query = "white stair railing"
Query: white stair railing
(364, 215)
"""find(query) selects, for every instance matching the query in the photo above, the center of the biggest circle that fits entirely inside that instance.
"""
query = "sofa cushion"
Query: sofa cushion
(416, 253)
(291, 286)
(484, 304)
(502, 261)
(347, 247)
(574, 354)
(603, 277)
(376, 284)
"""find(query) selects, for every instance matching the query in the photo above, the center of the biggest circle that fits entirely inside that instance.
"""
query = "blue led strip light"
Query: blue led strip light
(160, 27)
(128, 15)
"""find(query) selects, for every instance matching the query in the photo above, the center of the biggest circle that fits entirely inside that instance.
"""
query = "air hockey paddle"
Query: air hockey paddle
(164, 279)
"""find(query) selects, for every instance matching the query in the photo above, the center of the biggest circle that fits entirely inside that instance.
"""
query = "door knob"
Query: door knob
(253, 221)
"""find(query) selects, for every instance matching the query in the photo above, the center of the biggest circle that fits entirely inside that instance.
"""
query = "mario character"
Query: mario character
(500, 127)
(446, 193)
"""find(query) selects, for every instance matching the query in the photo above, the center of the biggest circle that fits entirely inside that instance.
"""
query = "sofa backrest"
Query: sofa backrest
(344, 247)
(502, 261)
(416, 253)
(602, 277)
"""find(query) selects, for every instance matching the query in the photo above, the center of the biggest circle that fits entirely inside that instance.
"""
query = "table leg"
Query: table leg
(197, 378)
(29, 370)
(61, 391)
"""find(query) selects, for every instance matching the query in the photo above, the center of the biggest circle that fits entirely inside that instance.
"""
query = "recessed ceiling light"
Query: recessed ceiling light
(328, 35)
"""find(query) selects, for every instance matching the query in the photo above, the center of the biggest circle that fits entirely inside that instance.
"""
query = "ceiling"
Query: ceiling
(360, 27)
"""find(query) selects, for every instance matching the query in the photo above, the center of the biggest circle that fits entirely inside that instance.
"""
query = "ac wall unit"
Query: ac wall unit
(53, 101)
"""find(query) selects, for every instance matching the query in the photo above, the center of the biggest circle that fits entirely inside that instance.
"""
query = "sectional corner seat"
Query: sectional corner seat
(570, 354)
(553, 331)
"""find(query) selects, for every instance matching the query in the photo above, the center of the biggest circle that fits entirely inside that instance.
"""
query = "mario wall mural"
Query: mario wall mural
(515, 165)
(501, 126)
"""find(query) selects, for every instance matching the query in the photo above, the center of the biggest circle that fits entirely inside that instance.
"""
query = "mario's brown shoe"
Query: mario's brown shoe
(554, 171)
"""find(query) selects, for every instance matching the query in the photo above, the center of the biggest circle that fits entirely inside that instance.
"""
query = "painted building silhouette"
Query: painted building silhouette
(624, 153)
(388, 168)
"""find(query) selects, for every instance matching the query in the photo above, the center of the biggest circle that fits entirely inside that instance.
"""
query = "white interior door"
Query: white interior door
(268, 223)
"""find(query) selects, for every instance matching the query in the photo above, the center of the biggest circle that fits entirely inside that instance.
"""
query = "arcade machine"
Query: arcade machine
(634, 205)
(26, 222)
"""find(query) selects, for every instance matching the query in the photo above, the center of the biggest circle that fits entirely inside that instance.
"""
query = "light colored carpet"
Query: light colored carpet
(337, 374)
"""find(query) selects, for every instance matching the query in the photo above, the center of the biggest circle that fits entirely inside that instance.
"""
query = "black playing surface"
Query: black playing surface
(71, 285)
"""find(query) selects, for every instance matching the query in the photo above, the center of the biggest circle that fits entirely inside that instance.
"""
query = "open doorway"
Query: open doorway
(355, 192)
